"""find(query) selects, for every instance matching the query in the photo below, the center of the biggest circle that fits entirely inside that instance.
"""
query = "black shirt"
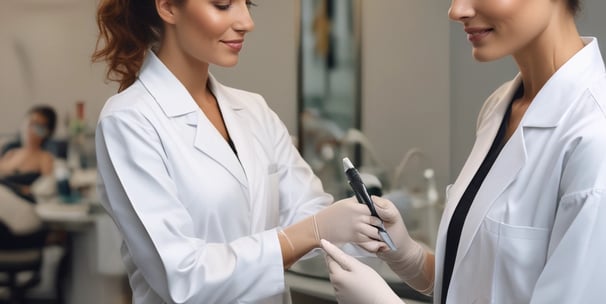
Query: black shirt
(232, 146)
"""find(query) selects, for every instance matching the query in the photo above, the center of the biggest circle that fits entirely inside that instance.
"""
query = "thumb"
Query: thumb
(386, 210)
(379, 202)
(337, 254)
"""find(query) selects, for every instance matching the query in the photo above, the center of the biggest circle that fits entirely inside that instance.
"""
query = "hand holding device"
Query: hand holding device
(359, 189)
(345, 221)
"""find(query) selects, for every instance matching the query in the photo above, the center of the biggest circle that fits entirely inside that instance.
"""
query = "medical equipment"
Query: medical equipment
(364, 198)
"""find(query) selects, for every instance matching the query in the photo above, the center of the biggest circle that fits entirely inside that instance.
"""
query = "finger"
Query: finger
(382, 203)
(336, 254)
(386, 210)
(383, 250)
(366, 232)
(373, 220)
(373, 246)
(361, 209)
(335, 270)
(332, 265)
(356, 206)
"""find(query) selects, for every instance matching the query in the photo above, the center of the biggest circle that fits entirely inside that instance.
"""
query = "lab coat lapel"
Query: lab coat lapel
(484, 138)
(503, 172)
(177, 103)
(209, 141)
(238, 128)
(242, 139)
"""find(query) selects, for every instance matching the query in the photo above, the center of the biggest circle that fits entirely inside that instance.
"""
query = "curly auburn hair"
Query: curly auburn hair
(127, 28)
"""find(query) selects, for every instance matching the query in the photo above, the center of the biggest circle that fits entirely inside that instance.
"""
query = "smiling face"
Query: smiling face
(212, 31)
(497, 28)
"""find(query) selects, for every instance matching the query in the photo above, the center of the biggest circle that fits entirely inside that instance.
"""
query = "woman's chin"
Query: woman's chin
(228, 63)
(484, 55)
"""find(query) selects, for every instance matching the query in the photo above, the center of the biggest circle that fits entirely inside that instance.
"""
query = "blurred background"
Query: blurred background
(390, 84)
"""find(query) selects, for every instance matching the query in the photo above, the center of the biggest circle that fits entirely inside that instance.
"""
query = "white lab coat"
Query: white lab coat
(199, 224)
(536, 231)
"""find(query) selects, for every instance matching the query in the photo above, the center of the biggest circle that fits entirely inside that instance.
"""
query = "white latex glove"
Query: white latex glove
(346, 221)
(355, 282)
(407, 261)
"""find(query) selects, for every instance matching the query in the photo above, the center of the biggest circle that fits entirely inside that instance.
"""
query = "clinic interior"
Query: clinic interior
(390, 84)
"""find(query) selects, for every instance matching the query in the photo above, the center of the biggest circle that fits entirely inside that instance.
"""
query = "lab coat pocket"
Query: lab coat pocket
(521, 255)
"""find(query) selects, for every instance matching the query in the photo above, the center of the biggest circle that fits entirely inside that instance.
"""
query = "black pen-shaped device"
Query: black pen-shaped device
(359, 189)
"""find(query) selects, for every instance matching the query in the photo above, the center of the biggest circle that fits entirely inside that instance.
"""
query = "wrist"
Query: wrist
(424, 281)
(297, 240)
(418, 272)
(408, 262)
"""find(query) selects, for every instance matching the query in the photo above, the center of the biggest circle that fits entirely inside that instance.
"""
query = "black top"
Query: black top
(457, 221)
(232, 146)
(16, 181)
(22, 179)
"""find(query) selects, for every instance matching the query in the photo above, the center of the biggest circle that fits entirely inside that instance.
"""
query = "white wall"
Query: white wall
(405, 81)
(472, 82)
(268, 62)
(405, 68)
(45, 58)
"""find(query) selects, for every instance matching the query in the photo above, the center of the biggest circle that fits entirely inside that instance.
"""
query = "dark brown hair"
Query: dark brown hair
(49, 114)
(127, 28)
(574, 6)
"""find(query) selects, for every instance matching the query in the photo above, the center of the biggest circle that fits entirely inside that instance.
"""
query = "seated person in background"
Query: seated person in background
(23, 165)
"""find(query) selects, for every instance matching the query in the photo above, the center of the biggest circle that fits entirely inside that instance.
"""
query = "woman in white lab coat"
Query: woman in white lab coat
(525, 221)
(212, 199)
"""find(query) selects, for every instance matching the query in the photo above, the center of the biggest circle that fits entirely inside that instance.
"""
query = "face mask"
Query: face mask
(40, 130)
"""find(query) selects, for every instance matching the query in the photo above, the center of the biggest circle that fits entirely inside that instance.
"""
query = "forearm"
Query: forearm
(297, 240)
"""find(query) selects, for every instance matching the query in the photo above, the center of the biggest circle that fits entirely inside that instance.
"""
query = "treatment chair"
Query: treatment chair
(20, 261)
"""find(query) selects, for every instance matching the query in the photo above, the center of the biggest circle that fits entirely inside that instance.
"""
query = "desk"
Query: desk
(84, 281)
(68, 217)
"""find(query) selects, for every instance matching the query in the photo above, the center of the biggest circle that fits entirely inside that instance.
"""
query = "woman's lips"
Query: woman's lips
(477, 34)
(235, 45)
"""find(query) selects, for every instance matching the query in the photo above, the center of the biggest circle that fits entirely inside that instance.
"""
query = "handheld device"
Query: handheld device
(359, 189)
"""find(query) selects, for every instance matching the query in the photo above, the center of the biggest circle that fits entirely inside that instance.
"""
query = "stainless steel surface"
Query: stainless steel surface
(315, 268)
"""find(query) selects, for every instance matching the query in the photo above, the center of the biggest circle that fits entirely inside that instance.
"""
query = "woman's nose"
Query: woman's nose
(244, 22)
(461, 10)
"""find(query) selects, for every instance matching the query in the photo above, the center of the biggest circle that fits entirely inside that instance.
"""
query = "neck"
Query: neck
(540, 59)
(30, 146)
(191, 72)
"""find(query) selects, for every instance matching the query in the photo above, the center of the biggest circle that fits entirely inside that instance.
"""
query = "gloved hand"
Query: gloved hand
(355, 282)
(346, 221)
(408, 260)
(342, 222)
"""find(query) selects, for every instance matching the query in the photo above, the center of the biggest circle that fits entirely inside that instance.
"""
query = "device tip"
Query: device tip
(347, 164)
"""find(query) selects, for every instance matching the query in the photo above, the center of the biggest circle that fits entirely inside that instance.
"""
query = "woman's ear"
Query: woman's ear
(167, 10)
